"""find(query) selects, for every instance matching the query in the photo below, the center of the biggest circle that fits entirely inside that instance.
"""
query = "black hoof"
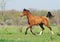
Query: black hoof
(34, 34)
(25, 33)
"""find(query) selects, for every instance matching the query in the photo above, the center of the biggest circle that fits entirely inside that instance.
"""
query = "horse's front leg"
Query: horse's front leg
(26, 30)
(32, 31)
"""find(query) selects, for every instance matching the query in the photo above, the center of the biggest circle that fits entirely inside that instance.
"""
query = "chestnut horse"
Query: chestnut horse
(36, 20)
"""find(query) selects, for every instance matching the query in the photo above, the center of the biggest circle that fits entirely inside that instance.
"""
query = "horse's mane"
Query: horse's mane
(26, 10)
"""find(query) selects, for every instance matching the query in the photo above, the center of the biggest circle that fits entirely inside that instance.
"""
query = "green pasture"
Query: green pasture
(13, 34)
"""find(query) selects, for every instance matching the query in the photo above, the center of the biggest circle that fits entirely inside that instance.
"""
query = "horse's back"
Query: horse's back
(35, 20)
(38, 20)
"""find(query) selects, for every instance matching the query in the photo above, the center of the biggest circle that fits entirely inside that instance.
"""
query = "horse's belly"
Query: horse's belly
(37, 21)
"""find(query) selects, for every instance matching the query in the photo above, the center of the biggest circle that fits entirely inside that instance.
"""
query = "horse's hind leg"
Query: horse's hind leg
(41, 25)
(50, 29)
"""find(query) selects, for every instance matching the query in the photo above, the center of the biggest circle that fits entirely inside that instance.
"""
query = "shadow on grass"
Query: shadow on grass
(9, 33)
(4, 40)
(58, 34)
(37, 32)
(11, 40)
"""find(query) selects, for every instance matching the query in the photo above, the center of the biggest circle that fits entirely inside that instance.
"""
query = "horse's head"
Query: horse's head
(25, 12)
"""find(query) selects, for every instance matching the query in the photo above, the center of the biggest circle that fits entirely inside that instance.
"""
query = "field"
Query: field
(13, 34)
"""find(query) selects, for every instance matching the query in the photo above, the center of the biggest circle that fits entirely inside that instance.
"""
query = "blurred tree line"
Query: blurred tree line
(12, 17)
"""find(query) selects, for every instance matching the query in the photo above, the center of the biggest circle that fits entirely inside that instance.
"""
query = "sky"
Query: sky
(35, 4)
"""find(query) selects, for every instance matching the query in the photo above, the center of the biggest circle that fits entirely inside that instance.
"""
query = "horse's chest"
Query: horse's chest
(30, 21)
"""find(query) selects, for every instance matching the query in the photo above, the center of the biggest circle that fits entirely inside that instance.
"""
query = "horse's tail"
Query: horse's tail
(49, 15)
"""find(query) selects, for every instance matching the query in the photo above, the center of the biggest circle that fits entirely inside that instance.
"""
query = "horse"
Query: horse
(36, 20)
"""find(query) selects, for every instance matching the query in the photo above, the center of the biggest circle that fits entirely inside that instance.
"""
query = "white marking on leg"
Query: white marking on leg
(41, 33)
(52, 32)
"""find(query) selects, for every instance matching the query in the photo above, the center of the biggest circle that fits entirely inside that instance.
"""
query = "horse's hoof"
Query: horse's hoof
(25, 33)
(41, 33)
(34, 34)
(52, 32)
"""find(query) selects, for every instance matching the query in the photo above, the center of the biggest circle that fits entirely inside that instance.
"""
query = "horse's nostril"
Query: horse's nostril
(20, 16)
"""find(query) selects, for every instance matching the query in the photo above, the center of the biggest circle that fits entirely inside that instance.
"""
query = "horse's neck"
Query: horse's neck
(29, 16)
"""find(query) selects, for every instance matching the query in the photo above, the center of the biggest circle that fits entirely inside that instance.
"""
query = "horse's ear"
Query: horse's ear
(24, 9)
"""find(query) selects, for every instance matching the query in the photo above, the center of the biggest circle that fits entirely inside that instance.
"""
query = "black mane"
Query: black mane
(25, 9)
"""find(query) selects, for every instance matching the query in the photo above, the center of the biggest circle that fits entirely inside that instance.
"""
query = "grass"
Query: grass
(13, 34)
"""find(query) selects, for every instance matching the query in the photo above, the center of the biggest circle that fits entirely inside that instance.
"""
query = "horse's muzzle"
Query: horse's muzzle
(21, 15)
